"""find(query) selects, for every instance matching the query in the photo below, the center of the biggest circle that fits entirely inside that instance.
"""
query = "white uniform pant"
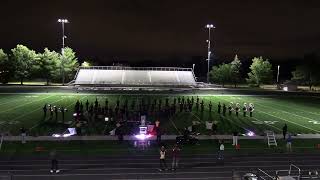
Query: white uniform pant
(234, 140)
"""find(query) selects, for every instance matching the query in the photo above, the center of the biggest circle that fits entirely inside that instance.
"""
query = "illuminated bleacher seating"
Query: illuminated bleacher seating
(115, 75)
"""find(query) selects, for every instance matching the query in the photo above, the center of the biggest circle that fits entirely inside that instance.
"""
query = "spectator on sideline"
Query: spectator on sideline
(163, 164)
(221, 150)
(158, 132)
(54, 162)
(119, 132)
(284, 131)
(23, 135)
(289, 142)
(219, 108)
(235, 138)
(175, 156)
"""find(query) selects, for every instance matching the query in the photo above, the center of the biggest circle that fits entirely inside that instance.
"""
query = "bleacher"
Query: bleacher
(134, 76)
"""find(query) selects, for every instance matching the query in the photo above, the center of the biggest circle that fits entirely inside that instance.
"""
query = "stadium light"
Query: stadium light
(278, 74)
(209, 27)
(63, 21)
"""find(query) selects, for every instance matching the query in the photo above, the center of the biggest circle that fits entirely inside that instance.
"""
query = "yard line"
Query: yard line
(287, 112)
(25, 104)
(290, 121)
(268, 124)
(174, 125)
(318, 114)
(282, 118)
(8, 98)
(23, 115)
(52, 103)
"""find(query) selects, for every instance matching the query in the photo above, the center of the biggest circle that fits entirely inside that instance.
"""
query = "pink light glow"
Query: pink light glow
(143, 136)
(250, 133)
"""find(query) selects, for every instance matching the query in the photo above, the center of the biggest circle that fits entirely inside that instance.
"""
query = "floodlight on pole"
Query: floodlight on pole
(278, 74)
(63, 21)
(209, 27)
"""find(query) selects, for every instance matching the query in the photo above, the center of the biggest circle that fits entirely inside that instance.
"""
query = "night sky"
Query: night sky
(115, 30)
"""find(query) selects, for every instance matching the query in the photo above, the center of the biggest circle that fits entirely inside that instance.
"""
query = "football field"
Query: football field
(300, 113)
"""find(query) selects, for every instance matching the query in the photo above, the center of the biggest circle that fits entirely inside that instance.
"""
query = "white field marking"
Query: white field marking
(174, 125)
(290, 121)
(296, 109)
(285, 119)
(314, 122)
(31, 96)
(286, 112)
(33, 111)
(267, 124)
(52, 103)
(14, 100)
(25, 104)
(14, 120)
(318, 114)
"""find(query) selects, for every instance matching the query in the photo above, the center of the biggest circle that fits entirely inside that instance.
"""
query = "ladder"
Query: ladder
(271, 138)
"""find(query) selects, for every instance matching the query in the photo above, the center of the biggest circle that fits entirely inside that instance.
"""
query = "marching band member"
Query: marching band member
(251, 109)
(245, 109)
(230, 108)
(237, 109)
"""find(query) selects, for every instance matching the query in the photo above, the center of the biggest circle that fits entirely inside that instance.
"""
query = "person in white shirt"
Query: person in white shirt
(221, 150)
(163, 164)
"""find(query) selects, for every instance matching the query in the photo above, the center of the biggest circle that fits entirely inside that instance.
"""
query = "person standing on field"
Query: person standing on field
(284, 131)
(54, 162)
(289, 142)
(23, 135)
(235, 138)
(44, 111)
(175, 157)
(224, 109)
(221, 150)
(163, 164)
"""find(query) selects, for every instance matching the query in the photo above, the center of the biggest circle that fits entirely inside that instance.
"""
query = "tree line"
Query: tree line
(23, 63)
(261, 72)
(230, 73)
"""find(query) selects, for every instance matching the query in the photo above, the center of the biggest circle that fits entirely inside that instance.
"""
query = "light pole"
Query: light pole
(278, 74)
(62, 21)
(209, 27)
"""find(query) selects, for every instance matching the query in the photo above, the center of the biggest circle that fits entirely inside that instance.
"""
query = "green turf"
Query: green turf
(301, 113)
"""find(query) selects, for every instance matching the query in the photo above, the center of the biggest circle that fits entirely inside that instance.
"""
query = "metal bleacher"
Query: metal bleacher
(134, 76)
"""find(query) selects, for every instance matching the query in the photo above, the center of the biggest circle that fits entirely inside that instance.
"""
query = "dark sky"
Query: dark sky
(278, 29)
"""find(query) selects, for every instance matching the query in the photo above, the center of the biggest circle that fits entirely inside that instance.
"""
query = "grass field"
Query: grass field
(301, 113)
